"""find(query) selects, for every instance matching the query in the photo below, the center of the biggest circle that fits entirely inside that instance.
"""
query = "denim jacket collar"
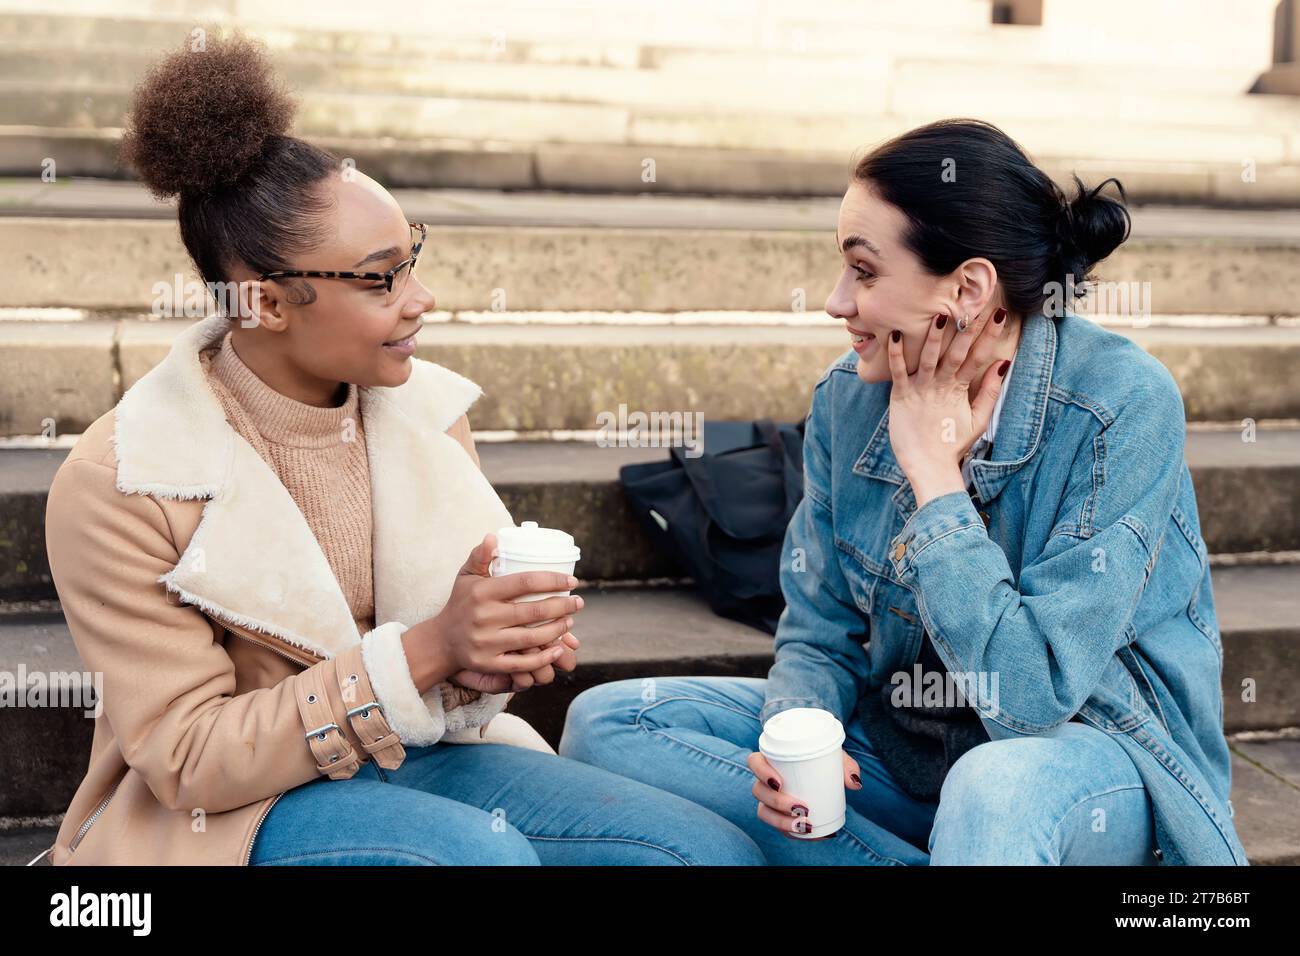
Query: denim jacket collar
(1019, 428)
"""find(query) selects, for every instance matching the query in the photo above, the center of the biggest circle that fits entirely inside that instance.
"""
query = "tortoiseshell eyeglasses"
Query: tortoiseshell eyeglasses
(393, 281)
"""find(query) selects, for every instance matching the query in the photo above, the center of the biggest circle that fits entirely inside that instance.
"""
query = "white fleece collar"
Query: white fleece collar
(253, 560)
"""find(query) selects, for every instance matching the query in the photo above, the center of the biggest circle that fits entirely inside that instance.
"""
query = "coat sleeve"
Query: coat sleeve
(1049, 636)
(168, 683)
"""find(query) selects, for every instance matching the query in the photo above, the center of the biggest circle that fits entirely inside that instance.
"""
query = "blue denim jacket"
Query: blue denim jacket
(1080, 581)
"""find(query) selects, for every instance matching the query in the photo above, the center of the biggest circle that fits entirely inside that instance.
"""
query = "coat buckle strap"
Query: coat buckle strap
(334, 754)
(371, 726)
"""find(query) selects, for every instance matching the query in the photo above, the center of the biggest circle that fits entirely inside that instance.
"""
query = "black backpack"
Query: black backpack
(722, 516)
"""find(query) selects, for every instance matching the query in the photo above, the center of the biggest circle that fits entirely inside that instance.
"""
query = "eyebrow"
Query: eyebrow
(856, 240)
(379, 256)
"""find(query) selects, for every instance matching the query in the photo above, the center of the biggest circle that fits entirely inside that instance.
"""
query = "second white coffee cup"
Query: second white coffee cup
(804, 745)
(530, 548)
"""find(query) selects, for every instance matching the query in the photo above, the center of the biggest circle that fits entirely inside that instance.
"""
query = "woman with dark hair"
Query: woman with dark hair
(263, 550)
(996, 500)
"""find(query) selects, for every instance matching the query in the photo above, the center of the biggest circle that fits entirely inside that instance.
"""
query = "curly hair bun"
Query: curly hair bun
(201, 119)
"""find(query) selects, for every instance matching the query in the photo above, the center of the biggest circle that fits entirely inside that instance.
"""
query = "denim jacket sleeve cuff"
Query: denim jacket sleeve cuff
(938, 517)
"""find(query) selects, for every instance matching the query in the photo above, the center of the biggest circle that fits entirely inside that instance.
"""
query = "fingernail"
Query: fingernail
(799, 810)
(1002, 369)
(939, 323)
(999, 315)
(802, 826)
(581, 603)
(568, 622)
(896, 335)
(573, 582)
(856, 779)
(771, 782)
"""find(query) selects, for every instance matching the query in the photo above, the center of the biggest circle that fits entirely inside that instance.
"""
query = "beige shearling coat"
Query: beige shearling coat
(232, 667)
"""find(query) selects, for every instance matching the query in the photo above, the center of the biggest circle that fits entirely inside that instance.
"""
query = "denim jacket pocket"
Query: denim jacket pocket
(1202, 597)
(862, 583)
(896, 626)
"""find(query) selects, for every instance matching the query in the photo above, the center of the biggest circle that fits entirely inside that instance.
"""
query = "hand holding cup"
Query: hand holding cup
(490, 637)
(801, 772)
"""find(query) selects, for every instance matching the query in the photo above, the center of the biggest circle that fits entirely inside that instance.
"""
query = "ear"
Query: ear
(972, 287)
(260, 303)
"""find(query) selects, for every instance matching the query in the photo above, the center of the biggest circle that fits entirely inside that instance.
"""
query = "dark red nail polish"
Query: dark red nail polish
(799, 810)
(856, 779)
(896, 336)
(999, 315)
(1002, 369)
(939, 323)
(771, 782)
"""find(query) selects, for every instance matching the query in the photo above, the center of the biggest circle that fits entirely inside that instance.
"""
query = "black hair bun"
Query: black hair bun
(1092, 226)
(201, 119)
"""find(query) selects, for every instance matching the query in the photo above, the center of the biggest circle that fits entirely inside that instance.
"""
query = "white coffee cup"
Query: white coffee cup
(530, 548)
(803, 745)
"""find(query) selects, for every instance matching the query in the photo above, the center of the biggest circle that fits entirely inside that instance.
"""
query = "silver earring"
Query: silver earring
(963, 322)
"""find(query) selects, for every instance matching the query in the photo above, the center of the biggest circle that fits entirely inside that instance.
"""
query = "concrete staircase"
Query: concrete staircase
(763, 98)
(620, 291)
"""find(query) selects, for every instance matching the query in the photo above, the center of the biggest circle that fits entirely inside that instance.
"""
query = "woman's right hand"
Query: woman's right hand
(482, 629)
(782, 810)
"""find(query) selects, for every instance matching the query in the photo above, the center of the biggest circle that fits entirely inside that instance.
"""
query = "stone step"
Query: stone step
(118, 199)
(878, 84)
(726, 24)
(440, 161)
(1263, 132)
(633, 633)
(126, 263)
(681, 35)
(575, 486)
(58, 377)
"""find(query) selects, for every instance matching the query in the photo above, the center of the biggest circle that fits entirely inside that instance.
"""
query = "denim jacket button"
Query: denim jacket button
(898, 551)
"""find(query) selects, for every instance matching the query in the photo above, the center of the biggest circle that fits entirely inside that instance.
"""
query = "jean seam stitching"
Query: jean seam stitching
(1092, 796)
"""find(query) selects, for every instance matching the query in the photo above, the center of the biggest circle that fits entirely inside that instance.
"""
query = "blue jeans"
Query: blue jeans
(480, 804)
(1069, 797)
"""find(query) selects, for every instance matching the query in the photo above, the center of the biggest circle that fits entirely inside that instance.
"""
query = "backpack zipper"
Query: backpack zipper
(85, 827)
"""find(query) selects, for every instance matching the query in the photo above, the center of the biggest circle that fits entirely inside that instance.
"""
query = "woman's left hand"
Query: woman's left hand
(504, 683)
(932, 420)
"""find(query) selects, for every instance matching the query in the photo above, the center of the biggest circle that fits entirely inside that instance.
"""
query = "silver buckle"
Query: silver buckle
(373, 705)
(321, 731)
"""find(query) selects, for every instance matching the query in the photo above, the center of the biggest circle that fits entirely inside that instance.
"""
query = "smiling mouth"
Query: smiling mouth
(859, 338)
(406, 340)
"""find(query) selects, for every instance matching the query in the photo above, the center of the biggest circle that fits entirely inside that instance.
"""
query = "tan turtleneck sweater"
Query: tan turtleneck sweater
(319, 455)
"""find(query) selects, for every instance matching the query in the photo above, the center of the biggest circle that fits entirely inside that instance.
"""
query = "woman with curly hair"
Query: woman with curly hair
(275, 549)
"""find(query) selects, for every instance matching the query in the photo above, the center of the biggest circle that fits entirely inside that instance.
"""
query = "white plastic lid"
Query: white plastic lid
(528, 542)
(801, 733)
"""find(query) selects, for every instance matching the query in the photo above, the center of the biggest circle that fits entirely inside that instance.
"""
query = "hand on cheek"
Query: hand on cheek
(932, 420)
